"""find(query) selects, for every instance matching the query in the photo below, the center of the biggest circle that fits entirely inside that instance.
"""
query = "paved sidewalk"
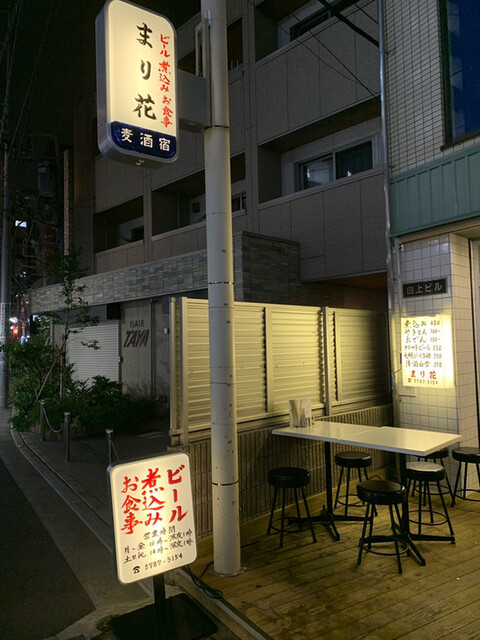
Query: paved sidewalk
(81, 484)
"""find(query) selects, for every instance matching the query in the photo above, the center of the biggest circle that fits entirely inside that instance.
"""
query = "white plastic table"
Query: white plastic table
(402, 441)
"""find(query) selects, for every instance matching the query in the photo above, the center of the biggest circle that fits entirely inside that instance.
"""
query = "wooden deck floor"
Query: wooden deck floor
(308, 591)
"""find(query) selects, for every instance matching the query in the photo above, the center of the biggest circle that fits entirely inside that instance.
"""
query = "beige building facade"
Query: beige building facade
(307, 185)
(433, 164)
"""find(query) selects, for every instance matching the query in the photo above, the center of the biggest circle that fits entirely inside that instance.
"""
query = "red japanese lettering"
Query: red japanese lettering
(172, 475)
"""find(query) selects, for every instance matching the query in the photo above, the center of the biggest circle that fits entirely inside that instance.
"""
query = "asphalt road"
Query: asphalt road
(39, 592)
(56, 579)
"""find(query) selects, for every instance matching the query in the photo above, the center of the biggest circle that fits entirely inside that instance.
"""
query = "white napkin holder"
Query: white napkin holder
(300, 412)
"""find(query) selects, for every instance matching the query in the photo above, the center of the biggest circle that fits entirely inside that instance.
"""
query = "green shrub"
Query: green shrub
(100, 406)
(97, 407)
(40, 370)
(29, 364)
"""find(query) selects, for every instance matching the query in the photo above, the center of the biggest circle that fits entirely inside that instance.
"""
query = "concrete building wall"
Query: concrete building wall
(300, 84)
(265, 268)
(161, 352)
(291, 89)
(136, 347)
(340, 227)
(318, 93)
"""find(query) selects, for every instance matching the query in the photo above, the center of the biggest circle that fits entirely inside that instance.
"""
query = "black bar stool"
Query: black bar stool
(289, 478)
(350, 460)
(466, 455)
(438, 457)
(382, 492)
(425, 473)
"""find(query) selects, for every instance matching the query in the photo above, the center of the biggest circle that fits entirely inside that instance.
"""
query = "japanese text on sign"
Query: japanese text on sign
(153, 516)
(140, 76)
(427, 351)
(426, 288)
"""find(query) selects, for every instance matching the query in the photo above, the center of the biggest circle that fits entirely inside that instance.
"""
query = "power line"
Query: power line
(28, 96)
(354, 77)
(348, 22)
(13, 20)
(365, 13)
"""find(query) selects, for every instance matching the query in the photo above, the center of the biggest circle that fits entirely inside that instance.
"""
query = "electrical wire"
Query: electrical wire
(215, 594)
(354, 77)
(28, 95)
(365, 13)
(209, 591)
(13, 21)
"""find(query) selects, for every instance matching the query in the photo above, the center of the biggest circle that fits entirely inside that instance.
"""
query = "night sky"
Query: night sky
(55, 55)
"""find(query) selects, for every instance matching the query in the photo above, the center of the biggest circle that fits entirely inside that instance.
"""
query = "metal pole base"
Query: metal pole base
(229, 575)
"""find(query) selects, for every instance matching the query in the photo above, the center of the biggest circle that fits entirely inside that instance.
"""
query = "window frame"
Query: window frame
(299, 166)
(448, 104)
(318, 17)
(304, 163)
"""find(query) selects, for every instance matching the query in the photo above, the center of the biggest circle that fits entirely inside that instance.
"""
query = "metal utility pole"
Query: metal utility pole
(5, 262)
(225, 481)
(5, 279)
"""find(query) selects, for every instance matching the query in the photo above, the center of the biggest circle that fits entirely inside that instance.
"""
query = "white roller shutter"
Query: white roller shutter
(90, 362)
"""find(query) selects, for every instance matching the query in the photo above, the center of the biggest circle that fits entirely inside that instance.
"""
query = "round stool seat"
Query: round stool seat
(288, 477)
(282, 479)
(353, 459)
(425, 471)
(440, 455)
(467, 454)
(390, 494)
(437, 455)
(381, 492)
(350, 460)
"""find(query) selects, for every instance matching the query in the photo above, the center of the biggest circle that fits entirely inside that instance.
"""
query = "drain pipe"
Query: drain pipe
(386, 188)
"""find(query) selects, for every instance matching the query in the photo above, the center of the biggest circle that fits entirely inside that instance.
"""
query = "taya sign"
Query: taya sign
(136, 85)
(136, 336)
(153, 516)
(427, 351)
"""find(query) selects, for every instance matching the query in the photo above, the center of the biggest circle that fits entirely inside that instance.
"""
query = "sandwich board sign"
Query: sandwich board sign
(153, 518)
(136, 85)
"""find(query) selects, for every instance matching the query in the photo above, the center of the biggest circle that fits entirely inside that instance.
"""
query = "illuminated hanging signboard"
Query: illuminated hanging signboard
(136, 85)
(427, 351)
(153, 516)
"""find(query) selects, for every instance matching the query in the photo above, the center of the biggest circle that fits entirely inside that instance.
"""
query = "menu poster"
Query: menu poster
(427, 351)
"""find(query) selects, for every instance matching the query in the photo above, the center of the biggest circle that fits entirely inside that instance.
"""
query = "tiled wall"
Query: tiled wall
(266, 270)
(177, 275)
(455, 409)
(415, 86)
